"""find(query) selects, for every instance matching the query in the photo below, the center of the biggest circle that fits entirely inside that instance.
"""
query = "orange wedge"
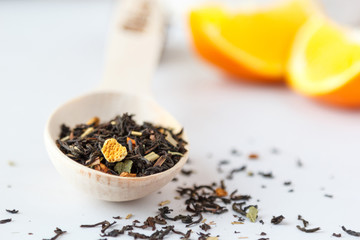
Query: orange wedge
(325, 63)
(252, 44)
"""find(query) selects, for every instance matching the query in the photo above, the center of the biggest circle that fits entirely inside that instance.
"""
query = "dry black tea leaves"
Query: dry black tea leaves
(263, 233)
(58, 233)
(104, 225)
(266, 175)
(14, 211)
(186, 172)
(311, 230)
(261, 221)
(305, 223)
(351, 232)
(277, 220)
(236, 170)
(287, 183)
(338, 235)
(264, 239)
(5, 221)
(205, 227)
(141, 150)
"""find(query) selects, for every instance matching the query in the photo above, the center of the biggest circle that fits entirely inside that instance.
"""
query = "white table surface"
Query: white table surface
(52, 51)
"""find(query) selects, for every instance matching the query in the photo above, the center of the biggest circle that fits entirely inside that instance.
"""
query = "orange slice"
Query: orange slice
(252, 44)
(325, 63)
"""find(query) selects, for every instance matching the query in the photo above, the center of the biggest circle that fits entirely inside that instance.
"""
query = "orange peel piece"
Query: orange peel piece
(113, 151)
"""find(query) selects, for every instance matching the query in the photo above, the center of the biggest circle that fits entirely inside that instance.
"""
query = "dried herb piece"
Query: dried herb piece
(222, 162)
(14, 211)
(253, 156)
(236, 170)
(205, 227)
(305, 223)
(104, 225)
(266, 175)
(124, 166)
(164, 202)
(252, 214)
(262, 222)
(328, 195)
(338, 235)
(303, 229)
(288, 183)
(351, 232)
(58, 233)
(117, 217)
(277, 220)
(186, 172)
(264, 239)
(128, 216)
(263, 233)
(116, 232)
(5, 221)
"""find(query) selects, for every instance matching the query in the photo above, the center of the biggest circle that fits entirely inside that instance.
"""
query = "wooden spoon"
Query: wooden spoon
(134, 50)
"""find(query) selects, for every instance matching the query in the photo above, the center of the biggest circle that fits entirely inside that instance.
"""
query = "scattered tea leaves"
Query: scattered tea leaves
(58, 233)
(277, 220)
(5, 221)
(305, 223)
(287, 183)
(266, 175)
(351, 232)
(205, 227)
(236, 170)
(311, 230)
(338, 235)
(14, 211)
(186, 172)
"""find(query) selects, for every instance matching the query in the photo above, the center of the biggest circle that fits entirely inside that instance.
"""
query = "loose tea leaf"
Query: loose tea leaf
(205, 227)
(305, 223)
(252, 214)
(277, 220)
(338, 235)
(5, 221)
(14, 211)
(351, 232)
(303, 229)
(58, 233)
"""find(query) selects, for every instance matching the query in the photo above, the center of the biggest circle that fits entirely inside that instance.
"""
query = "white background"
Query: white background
(52, 51)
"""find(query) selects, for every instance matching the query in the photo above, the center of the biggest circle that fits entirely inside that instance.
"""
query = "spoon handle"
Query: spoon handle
(134, 48)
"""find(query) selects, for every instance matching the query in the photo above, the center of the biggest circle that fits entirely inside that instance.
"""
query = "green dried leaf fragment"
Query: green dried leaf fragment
(252, 214)
(124, 166)
(151, 156)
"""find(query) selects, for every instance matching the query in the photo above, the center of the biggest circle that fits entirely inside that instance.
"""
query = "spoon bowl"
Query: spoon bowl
(106, 105)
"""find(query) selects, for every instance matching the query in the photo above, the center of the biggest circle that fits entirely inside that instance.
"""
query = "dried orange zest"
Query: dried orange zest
(220, 192)
(113, 151)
